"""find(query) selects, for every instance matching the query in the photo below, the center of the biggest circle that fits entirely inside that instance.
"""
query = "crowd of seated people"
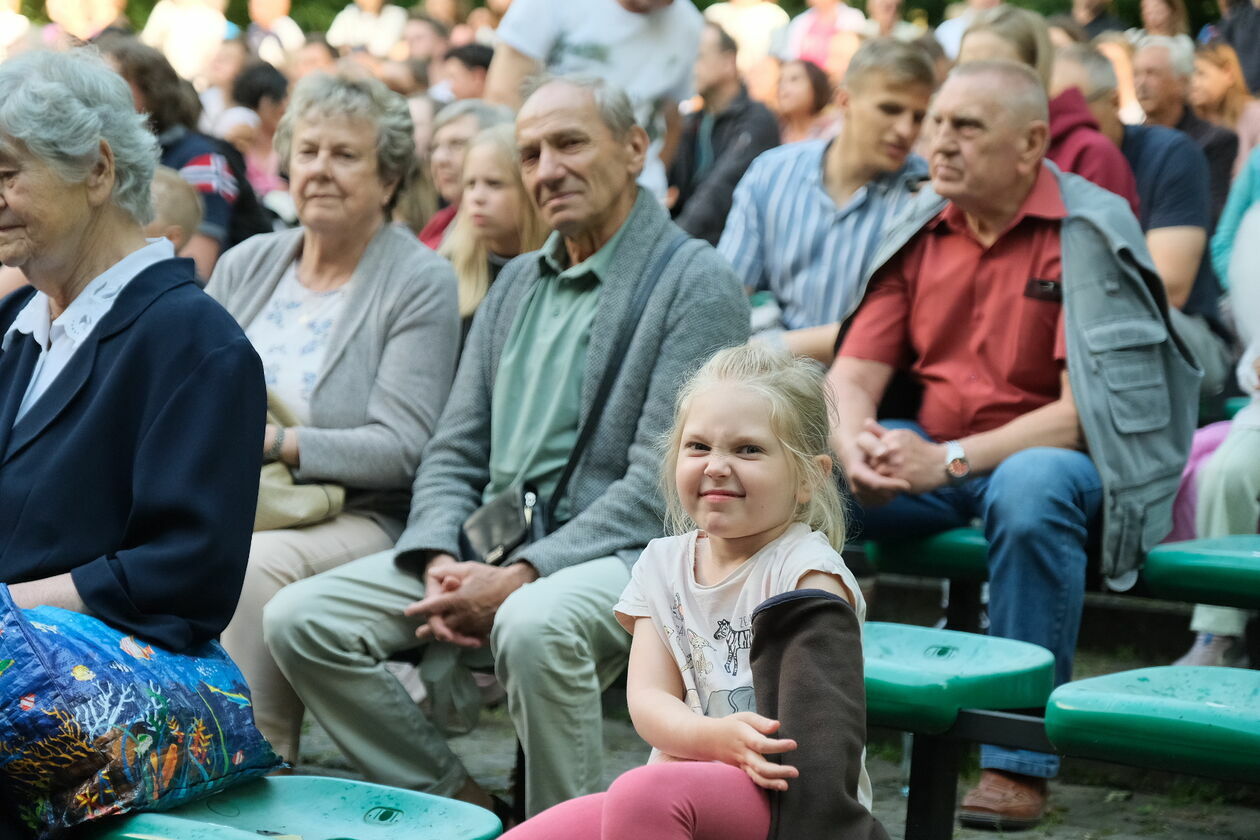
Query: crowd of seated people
(474, 257)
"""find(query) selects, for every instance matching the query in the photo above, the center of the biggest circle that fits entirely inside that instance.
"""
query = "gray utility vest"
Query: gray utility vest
(1135, 384)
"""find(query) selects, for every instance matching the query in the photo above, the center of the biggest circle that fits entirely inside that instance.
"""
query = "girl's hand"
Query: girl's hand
(741, 740)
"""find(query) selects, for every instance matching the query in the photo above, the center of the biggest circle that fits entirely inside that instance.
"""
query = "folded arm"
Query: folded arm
(455, 466)
(1177, 252)
(882, 462)
(56, 591)
(508, 67)
(177, 574)
(654, 693)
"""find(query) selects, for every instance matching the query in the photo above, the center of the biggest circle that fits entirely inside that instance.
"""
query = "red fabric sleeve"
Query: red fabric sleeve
(880, 330)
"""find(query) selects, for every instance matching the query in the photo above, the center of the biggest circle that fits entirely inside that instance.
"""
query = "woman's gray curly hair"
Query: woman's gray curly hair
(357, 97)
(61, 105)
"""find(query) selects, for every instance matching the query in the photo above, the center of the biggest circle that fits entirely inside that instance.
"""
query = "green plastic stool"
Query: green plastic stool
(1221, 570)
(921, 680)
(958, 554)
(1202, 721)
(311, 808)
(918, 678)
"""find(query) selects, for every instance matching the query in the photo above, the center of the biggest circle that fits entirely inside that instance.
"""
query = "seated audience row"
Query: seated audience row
(542, 342)
(547, 251)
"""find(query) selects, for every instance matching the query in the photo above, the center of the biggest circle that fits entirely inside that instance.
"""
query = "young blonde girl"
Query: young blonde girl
(753, 502)
(496, 221)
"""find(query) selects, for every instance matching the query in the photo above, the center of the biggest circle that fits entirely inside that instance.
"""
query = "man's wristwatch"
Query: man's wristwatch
(957, 467)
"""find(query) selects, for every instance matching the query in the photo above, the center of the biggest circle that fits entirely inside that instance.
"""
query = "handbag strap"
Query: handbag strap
(628, 326)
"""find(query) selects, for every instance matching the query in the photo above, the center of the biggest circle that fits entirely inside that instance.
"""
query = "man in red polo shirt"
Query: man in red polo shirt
(969, 299)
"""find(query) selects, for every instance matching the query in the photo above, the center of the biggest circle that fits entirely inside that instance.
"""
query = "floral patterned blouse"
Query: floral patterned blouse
(291, 333)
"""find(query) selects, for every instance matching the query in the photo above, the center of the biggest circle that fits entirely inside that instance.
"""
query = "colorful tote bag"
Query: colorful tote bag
(94, 722)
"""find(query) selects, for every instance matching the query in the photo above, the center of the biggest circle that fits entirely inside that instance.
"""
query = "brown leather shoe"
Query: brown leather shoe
(1004, 802)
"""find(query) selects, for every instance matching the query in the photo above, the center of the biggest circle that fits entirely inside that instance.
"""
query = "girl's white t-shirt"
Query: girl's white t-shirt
(708, 629)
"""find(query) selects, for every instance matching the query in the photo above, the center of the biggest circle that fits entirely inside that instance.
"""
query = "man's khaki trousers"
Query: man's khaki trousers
(555, 646)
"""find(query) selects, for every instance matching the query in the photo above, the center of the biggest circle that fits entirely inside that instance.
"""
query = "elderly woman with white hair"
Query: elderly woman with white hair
(131, 405)
(358, 327)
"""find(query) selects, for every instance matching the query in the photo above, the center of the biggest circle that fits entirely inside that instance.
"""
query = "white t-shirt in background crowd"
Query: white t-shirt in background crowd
(708, 629)
(649, 56)
(13, 28)
(751, 27)
(950, 33)
(353, 27)
(186, 33)
(283, 40)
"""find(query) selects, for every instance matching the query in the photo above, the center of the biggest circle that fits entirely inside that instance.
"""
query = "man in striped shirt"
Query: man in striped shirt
(807, 217)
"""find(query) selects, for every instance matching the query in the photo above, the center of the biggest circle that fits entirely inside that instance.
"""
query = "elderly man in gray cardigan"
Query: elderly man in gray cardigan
(534, 357)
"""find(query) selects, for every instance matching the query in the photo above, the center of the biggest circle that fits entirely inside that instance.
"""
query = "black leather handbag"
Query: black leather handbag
(519, 515)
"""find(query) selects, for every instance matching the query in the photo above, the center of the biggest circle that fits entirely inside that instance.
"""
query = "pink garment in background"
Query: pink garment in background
(263, 173)
(809, 34)
(1205, 442)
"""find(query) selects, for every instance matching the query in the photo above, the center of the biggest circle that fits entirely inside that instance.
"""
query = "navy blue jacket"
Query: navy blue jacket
(137, 470)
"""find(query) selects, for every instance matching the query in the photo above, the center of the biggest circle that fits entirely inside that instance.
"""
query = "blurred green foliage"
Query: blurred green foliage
(316, 15)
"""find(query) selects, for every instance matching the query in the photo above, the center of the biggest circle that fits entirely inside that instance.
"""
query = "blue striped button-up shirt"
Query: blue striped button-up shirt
(786, 235)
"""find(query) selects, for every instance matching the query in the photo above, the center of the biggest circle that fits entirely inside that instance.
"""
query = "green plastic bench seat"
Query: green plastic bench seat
(310, 808)
(1202, 721)
(957, 554)
(1233, 405)
(918, 678)
(1220, 570)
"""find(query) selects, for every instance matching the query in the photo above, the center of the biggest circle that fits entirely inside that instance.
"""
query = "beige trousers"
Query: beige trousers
(276, 559)
(1229, 503)
(555, 644)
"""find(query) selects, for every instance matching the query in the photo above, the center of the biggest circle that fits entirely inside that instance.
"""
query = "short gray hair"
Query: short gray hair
(61, 105)
(1179, 55)
(487, 115)
(1022, 92)
(614, 106)
(1099, 73)
(356, 97)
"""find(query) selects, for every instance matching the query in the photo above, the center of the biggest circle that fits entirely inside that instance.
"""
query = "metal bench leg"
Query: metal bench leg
(1251, 639)
(963, 612)
(933, 787)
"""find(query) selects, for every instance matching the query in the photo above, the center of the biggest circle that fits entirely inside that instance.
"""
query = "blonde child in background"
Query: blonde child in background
(176, 209)
(752, 497)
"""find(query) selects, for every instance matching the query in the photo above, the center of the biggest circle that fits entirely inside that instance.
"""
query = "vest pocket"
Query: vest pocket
(1127, 354)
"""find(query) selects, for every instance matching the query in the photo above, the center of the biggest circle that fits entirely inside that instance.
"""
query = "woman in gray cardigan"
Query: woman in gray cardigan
(357, 325)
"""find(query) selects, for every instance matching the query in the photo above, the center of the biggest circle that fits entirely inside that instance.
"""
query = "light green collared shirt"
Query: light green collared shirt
(537, 402)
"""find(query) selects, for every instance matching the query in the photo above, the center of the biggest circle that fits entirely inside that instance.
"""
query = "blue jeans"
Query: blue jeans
(1038, 507)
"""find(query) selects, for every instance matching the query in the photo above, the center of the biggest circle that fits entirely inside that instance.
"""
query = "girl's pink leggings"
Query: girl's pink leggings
(686, 800)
